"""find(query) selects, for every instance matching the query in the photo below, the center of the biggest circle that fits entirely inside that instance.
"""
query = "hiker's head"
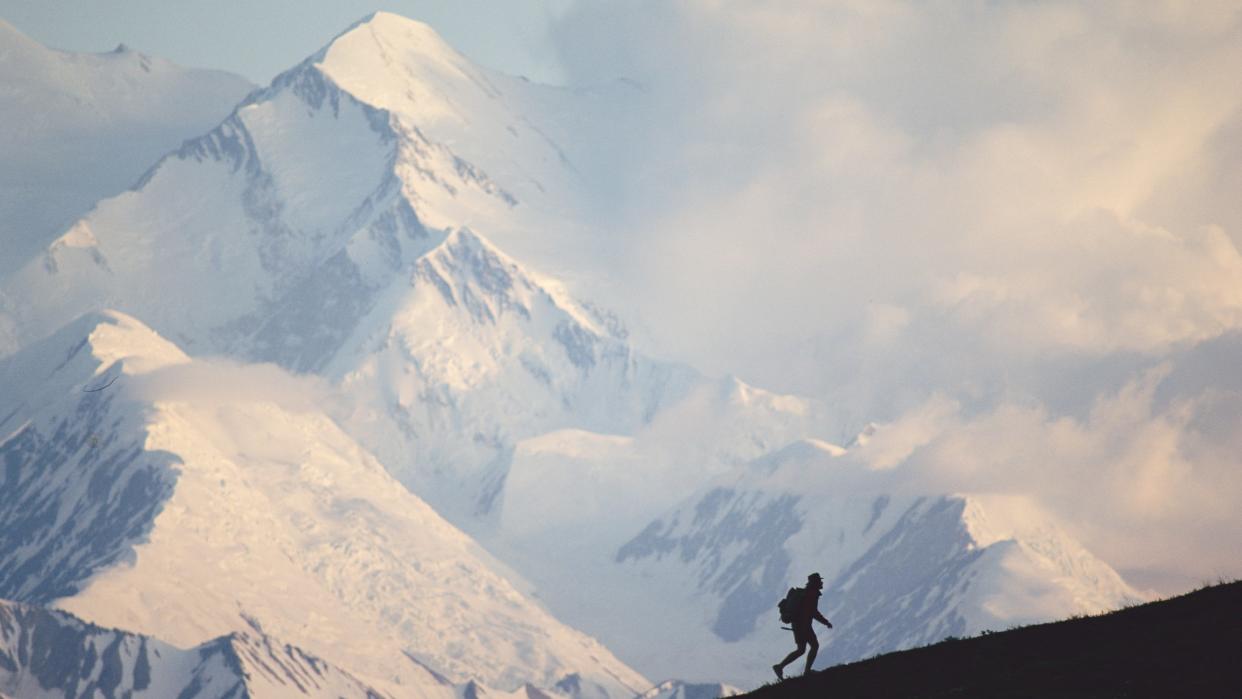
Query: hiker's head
(815, 581)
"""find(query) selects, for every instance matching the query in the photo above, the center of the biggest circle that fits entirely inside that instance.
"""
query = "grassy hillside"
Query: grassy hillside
(1189, 646)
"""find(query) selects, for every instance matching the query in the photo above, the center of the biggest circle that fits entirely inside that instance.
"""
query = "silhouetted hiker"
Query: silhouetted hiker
(799, 608)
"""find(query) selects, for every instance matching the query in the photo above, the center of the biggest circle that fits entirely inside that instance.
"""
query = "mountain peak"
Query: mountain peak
(388, 36)
(22, 56)
(384, 21)
(402, 65)
(79, 353)
(166, 473)
(804, 455)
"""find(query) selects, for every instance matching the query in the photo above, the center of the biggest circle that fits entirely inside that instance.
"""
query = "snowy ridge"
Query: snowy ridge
(234, 205)
(297, 232)
(346, 224)
(900, 570)
(83, 126)
(271, 199)
(621, 481)
(676, 689)
(473, 355)
(404, 67)
(188, 515)
(1078, 580)
(46, 653)
(322, 229)
(58, 527)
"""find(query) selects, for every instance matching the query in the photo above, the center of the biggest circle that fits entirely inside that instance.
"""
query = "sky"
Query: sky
(1007, 231)
(258, 40)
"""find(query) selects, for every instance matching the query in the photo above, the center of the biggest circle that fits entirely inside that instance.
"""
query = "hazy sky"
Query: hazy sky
(1008, 230)
(258, 39)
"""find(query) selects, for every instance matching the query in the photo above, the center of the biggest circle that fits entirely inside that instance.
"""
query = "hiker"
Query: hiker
(804, 608)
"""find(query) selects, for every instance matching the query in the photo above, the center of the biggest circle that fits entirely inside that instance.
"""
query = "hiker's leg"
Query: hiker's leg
(810, 657)
(793, 656)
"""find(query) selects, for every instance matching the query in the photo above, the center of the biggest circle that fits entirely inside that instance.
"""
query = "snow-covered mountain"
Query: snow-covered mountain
(900, 569)
(322, 227)
(79, 127)
(142, 493)
(676, 689)
(363, 223)
(50, 654)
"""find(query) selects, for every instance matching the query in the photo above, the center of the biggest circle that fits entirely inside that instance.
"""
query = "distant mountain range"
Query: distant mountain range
(294, 385)
(189, 520)
(900, 570)
(79, 127)
(46, 653)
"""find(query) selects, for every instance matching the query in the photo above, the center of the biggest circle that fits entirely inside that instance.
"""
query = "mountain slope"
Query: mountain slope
(80, 127)
(50, 654)
(675, 689)
(322, 227)
(494, 122)
(1186, 646)
(900, 570)
(474, 354)
(331, 225)
(187, 501)
(345, 224)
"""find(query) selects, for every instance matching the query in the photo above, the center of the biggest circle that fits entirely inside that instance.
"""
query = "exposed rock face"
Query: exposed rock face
(149, 491)
(49, 653)
(900, 571)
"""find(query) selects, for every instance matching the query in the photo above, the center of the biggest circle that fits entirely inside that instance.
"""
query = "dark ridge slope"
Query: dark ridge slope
(1189, 646)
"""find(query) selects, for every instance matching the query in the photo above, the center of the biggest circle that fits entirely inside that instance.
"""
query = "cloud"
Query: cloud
(985, 224)
(213, 382)
(987, 166)
(1146, 486)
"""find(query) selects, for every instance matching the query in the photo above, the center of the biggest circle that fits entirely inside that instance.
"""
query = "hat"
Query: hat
(815, 577)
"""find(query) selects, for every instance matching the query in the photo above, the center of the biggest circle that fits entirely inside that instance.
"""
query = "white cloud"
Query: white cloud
(894, 443)
(1146, 486)
(215, 381)
(1015, 209)
(828, 156)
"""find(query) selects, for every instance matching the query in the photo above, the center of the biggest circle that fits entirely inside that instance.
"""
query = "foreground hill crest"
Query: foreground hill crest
(1184, 647)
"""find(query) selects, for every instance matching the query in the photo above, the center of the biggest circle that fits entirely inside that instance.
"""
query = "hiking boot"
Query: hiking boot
(780, 672)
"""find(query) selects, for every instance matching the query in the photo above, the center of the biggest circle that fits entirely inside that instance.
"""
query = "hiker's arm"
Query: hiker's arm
(822, 620)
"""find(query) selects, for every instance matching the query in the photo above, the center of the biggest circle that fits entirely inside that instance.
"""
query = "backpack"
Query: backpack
(788, 607)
